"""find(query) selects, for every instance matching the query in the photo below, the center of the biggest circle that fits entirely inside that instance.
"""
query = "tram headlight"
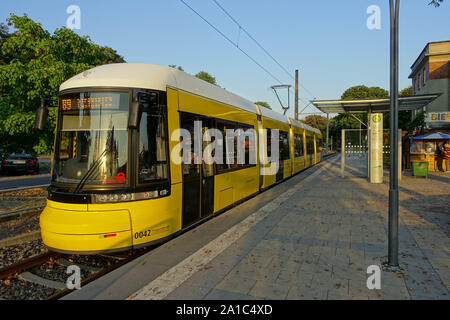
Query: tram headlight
(124, 197)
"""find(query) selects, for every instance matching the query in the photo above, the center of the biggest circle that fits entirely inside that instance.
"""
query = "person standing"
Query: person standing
(447, 155)
(440, 155)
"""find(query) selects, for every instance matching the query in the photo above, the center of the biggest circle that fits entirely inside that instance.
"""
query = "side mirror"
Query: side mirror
(41, 117)
(135, 115)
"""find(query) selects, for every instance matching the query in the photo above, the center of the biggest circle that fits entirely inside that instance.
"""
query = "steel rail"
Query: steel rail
(27, 264)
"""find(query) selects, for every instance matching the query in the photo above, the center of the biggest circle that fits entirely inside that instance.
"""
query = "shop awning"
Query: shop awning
(433, 136)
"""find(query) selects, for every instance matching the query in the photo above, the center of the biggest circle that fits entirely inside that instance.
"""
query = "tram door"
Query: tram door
(198, 177)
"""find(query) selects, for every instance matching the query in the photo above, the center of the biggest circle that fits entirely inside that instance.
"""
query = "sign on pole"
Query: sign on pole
(376, 148)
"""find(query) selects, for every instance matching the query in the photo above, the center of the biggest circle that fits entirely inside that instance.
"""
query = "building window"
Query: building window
(423, 76)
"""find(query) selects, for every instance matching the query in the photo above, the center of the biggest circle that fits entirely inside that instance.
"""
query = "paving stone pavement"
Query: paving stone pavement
(319, 243)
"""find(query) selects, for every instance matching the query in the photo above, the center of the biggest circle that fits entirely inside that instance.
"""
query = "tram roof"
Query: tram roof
(268, 113)
(150, 76)
(304, 126)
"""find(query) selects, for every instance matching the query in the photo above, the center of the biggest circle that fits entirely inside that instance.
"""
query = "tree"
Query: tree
(35, 64)
(417, 122)
(348, 121)
(264, 104)
(205, 76)
(317, 121)
(406, 92)
(4, 31)
(363, 92)
(404, 117)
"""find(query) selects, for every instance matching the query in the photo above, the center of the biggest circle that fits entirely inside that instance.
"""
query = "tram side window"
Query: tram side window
(310, 145)
(245, 138)
(269, 143)
(152, 146)
(230, 146)
(226, 154)
(284, 145)
(298, 145)
(319, 145)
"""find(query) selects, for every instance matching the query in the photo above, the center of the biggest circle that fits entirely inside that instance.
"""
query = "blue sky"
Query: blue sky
(328, 40)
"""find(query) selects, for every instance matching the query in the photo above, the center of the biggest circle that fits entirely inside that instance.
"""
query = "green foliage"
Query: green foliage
(318, 122)
(264, 104)
(417, 122)
(205, 76)
(406, 92)
(347, 121)
(33, 65)
(363, 92)
(404, 117)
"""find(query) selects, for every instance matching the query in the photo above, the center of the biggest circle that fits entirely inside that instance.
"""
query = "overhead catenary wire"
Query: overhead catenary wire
(231, 41)
(261, 47)
(240, 49)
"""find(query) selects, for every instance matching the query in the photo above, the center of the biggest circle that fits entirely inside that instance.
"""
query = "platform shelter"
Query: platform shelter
(374, 108)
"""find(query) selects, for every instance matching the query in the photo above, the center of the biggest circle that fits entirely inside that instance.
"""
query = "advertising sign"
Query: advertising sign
(376, 148)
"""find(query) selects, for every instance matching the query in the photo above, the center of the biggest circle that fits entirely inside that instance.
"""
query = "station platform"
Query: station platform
(310, 237)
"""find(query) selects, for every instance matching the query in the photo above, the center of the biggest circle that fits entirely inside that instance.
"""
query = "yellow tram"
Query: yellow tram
(115, 183)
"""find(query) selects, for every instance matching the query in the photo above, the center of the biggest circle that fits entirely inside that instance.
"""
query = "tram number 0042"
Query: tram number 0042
(142, 234)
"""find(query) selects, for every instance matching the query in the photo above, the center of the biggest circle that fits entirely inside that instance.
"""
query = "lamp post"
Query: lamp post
(393, 174)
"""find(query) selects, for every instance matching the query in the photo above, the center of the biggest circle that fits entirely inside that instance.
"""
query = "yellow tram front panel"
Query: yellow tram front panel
(83, 231)
(151, 219)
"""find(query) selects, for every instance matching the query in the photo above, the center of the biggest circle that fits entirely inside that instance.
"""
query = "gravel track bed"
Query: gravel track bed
(18, 226)
(31, 193)
(15, 289)
(17, 253)
(54, 271)
(91, 261)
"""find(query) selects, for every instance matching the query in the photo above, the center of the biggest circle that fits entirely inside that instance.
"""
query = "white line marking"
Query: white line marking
(162, 286)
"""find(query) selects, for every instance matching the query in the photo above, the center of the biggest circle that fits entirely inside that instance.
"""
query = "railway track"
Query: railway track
(33, 273)
(28, 263)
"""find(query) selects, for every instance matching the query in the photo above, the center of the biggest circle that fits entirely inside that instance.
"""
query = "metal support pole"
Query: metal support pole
(328, 123)
(400, 154)
(359, 145)
(342, 152)
(393, 177)
(296, 94)
(369, 145)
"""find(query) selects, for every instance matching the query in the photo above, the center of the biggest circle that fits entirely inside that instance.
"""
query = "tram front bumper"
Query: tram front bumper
(84, 232)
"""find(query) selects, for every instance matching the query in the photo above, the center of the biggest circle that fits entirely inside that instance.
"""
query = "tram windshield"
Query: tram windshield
(92, 143)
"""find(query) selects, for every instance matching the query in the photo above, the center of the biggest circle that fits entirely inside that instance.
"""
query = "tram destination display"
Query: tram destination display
(93, 101)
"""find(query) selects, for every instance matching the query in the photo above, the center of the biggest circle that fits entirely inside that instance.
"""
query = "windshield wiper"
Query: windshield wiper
(91, 169)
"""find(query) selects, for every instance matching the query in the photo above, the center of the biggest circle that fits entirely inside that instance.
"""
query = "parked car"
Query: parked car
(20, 162)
